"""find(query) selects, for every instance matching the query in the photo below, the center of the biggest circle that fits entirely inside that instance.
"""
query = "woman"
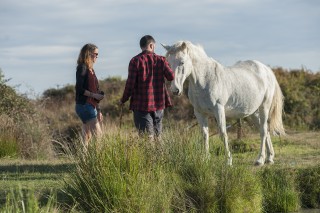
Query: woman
(88, 94)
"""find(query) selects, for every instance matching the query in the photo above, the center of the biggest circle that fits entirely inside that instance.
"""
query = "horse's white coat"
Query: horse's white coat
(248, 88)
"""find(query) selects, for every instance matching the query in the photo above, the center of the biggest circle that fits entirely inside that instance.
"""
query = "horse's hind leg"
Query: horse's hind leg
(203, 121)
(270, 151)
(264, 136)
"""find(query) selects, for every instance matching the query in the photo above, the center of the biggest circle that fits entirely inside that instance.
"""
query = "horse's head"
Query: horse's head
(181, 64)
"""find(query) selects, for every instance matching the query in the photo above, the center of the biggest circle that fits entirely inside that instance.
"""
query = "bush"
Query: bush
(115, 176)
(19, 200)
(308, 180)
(238, 190)
(301, 90)
(279, 190)
(22, 124)
(8, 146)
(121, 173)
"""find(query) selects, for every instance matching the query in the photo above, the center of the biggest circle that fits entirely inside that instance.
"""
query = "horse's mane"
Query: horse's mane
(194, 51)
(196, 54)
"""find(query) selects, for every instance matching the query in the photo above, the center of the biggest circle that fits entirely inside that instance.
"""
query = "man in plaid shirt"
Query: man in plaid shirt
(146, 88)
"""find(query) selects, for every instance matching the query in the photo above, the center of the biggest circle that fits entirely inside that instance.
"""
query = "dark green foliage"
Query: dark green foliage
(198, 183)
(59, 94)
(301, 90)
(309, 184)
(238, 190)
(12, 104)
(19, 200)
(8, 145)
(279, 190)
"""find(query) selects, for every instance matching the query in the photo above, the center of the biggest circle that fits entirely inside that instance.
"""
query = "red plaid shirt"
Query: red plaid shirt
(146, 82)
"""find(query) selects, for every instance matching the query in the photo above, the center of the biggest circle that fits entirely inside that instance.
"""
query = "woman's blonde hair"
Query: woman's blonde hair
(85, 55)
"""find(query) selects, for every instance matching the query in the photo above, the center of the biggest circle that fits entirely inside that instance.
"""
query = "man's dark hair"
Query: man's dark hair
(146, 40)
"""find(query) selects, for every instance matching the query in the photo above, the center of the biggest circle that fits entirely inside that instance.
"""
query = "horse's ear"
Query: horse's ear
(183, 46)
(167, 47)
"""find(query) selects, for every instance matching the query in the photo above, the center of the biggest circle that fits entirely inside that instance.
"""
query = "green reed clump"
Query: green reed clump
(185, 157)
(115, 175)
(279, 189)
(238, 189)
(8, 145)
(124, 173)
(208, 183)
(308, 180)
(26, 201)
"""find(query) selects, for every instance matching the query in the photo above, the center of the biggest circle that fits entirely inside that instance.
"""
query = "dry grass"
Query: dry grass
(311, 139)
(300, 149)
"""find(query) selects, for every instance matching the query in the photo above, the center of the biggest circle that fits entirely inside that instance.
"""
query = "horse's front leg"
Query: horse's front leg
(203, 121)
(221, 121)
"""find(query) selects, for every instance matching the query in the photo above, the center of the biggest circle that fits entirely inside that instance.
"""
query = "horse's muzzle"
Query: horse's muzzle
(176, 92)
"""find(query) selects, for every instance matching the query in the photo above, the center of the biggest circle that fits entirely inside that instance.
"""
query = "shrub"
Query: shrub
(123, 173)
(238, 190)
(8, 146)
(301, 89)
(115, 176)
(308, 180)
(279, 190)
(22, 124)
(19, 200)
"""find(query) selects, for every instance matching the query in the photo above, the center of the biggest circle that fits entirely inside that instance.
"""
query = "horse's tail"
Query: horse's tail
(275, 114)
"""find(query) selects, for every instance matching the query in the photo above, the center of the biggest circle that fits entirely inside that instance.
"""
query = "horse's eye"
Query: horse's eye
(181, 63)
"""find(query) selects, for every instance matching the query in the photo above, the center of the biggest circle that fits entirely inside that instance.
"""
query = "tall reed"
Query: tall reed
(115, 175)
(124, 173)
(308, 180)
(279, 188)
(26, 201)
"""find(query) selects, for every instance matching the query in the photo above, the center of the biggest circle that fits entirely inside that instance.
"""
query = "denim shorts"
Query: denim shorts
(86, 112)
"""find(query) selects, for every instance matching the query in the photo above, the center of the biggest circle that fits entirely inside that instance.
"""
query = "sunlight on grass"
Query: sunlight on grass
(124, 173)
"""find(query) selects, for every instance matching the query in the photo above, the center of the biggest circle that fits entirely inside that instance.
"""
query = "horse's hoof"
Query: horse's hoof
(258, 163)
(269, 161)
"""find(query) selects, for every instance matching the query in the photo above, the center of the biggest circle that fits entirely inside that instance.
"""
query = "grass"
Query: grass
(36, 182)
(279, 190)
(9, 146)
(19, 200)
(123, 174)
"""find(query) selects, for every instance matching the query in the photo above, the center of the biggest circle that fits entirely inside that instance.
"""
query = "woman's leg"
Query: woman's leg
(91, 129)
(94, 127)
(86, 134)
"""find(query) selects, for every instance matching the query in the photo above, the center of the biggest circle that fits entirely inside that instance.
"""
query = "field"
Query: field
(124, 173)
(48, 180)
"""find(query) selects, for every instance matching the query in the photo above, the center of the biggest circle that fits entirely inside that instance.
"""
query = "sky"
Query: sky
(40, 40)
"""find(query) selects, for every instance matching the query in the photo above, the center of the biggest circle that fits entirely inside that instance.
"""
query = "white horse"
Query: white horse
(248, 88)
